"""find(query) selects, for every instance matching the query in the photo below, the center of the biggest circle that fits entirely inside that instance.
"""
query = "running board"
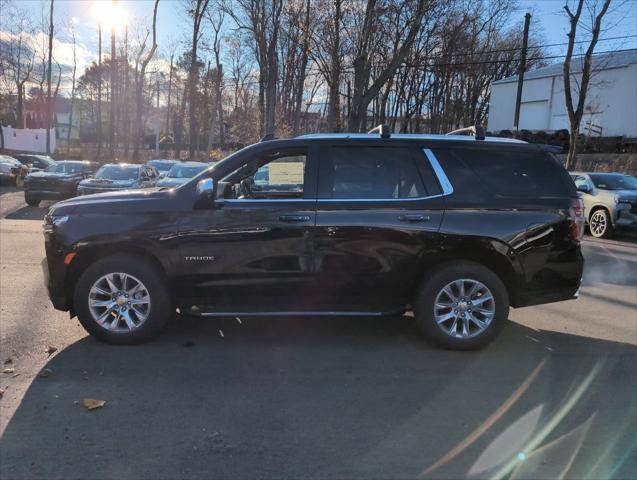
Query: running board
(204, 313)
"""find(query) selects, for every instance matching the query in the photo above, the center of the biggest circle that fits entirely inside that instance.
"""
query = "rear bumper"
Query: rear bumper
(49, 194)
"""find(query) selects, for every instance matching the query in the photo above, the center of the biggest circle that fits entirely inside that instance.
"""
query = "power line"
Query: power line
(549, 45)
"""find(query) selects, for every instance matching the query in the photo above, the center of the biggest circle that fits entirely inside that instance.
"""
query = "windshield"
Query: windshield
(609, 181)
(185, 171)
(162, 165)
(118, 172)
(66, 168)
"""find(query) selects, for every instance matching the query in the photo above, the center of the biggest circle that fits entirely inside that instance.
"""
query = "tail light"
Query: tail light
(576, 215)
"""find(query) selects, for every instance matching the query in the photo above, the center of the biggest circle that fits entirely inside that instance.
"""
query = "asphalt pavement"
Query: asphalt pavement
(555, 396)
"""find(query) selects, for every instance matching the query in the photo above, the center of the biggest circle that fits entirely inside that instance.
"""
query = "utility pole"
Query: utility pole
(518, 100)
(48, 88)
(99, 90)
(111, 133)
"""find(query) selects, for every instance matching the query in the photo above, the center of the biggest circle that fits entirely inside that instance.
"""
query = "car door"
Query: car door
(379, 209)
(255, 248)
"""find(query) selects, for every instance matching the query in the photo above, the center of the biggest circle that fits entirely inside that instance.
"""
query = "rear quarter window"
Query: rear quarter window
(516, 173)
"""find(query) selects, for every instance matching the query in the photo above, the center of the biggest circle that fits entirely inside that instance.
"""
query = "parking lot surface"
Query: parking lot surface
(555, 396)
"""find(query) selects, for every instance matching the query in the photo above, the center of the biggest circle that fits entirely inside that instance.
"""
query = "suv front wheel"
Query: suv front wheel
(122, 300)
(462, 306)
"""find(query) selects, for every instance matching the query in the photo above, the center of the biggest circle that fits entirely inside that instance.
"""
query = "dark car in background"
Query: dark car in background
(10, 170)
(162, 166)
(119, 176)
(181, 172)
(35, 162)
(456, 228)
(57, 182)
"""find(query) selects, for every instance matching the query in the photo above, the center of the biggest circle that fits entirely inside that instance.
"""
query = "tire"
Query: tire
(481, 328)
(600, 224)
(31, 200)
(122, 323)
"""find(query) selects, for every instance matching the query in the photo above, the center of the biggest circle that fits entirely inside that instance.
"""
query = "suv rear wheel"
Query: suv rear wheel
(122, 300)
(462, 306)
(600, 224)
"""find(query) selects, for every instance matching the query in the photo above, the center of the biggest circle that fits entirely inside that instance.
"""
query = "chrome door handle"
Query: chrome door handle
(410, 217)
(294, 218)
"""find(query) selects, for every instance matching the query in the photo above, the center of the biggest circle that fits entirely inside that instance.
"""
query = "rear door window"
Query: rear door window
(516, 173)
(362, 173)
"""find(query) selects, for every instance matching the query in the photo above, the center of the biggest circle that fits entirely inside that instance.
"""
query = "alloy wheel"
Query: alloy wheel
(598, 223)
(464, 308)
(119, 302)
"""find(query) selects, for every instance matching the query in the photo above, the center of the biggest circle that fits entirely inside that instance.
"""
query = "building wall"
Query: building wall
(611, 103)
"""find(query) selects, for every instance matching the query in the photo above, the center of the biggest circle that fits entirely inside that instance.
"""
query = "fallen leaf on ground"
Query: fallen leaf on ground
(8, 370)
(8, 361)
(92, 404)
(51, 350)
(75, 402)
(45, 373)
(16, 375)
(1, 393)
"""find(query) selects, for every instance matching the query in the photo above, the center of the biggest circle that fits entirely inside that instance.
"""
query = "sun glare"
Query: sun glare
(110, 14)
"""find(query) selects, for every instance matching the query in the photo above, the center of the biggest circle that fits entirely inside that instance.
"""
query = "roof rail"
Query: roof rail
(382, 129)
(477, 131)
(267, 137)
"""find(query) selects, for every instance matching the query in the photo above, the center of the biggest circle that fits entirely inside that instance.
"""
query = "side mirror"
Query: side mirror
(584, 188)
(206, 189)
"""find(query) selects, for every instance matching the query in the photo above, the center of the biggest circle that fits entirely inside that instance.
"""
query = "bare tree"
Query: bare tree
(48, 88)
(216, 22)
(410, 14)
(262, 20)
(139, 84)
(197, 10)
(18, 58)
(70, 126)
(575, 113)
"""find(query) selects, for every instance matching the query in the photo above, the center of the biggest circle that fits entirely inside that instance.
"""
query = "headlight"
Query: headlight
(52, 221)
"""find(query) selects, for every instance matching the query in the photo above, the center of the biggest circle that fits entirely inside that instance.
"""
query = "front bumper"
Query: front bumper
(54, 283)
(625, 215)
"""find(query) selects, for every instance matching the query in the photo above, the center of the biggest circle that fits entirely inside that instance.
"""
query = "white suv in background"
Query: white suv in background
(610, 201)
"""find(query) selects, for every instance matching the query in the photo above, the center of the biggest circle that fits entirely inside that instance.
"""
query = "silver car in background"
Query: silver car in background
(610, 201)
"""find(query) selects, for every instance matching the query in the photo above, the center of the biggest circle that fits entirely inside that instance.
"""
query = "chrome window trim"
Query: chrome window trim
(443, 180)
(445, 184)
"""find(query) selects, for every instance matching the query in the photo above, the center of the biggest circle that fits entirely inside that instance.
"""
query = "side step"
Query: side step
(208, 311)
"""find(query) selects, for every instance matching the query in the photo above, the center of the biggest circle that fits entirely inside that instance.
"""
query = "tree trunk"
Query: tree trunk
(571, 157)
(333, 111)
(48, 88)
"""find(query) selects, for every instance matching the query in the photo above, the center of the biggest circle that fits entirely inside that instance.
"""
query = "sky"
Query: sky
(173, 25)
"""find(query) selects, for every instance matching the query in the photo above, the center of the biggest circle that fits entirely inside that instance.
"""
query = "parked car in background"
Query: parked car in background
(456, 228)
(10, 170)
(610, 201)
(119, 176)
(181, 172)
(34, 162)
(57, 182)
(162, 166)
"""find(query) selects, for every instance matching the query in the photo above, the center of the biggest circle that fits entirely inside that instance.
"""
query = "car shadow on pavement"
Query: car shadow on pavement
(328, 398)
(30, 213)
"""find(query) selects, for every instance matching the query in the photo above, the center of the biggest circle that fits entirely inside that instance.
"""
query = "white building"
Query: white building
(611, 102)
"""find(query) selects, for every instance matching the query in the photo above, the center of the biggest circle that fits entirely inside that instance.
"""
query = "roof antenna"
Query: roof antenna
(382, 129)
(267, 137)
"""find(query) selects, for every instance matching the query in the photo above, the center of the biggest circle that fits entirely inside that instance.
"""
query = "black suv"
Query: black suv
(58, 181)
(456, 229)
